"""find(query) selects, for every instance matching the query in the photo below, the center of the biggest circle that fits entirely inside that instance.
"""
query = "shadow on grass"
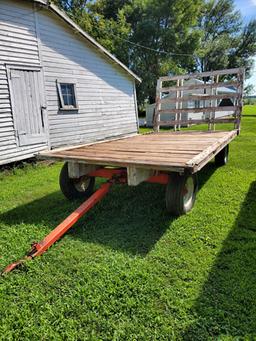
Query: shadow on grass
(227, 304)
(131, 219)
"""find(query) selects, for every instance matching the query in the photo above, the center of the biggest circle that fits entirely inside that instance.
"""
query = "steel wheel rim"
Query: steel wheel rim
(188, 192)
(226, 157)
(82, 184)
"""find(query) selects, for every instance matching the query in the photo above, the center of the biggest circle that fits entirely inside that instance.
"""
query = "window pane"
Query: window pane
(65, 99)
(68, 94)
(69, 89)
(63, 89)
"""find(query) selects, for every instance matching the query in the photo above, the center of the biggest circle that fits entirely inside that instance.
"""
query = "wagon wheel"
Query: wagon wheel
(80, 188)
(180, 193)
(221, 159)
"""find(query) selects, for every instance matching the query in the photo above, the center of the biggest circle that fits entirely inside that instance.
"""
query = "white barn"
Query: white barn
(58, 86)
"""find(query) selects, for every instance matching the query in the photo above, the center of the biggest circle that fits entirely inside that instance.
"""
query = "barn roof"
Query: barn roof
(85, 35)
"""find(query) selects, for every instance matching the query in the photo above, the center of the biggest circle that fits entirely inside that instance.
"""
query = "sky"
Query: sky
(248, 10)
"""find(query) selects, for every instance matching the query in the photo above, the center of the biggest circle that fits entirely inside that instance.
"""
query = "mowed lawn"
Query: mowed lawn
(127, 270)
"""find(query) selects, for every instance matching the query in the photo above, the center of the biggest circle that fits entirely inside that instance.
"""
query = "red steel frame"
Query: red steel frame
(114, 176)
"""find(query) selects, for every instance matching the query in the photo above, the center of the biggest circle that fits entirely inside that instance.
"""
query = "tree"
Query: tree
(111, 31)
(153, 38)
(225, 43)
(244, 48)
(156, 38)
(166, 38)
(162, 39)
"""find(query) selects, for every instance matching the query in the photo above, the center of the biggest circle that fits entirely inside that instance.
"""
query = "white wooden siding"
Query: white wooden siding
(105, 94)
(18, 45)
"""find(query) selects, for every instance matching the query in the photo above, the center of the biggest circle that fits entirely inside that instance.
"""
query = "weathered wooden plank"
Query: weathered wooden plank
(18, 61)
(209, 120)
(11, 30)
(83, 138)
(149, 164)
(19, 9)
(152, 149)
(114, 152)
(83, 121)
(95, 143)
(18, 46)
(203, 74)
(200, 86)
(198, 110)
(146, 165)
(6, 138)
(134, 157)
(17, 154)
(4, 96)
(5, 54)
(158, 144)
(193, 97)
(76, 169)
(19, 39)
(93, 131)
(7, 146)
(240, 89)
(156, 116)
(15, 18)
(137, 175)
(202, 159)
(176, 92)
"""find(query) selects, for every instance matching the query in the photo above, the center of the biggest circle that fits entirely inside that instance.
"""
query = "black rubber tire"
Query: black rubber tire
(68, 185)
(221, 159)
(174, 195)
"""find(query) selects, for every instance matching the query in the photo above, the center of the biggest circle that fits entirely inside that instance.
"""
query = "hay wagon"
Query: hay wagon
(169, 158)
(172, 158)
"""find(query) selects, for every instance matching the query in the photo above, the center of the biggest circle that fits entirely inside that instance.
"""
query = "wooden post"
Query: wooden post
(177, 103)
(137, 175)
(240, 90)
(180, 104)
(215, 102)
(76, 169)
(210, 104)
(158, 106)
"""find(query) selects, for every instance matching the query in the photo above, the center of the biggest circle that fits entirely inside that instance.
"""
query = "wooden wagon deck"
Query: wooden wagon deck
(170, 151)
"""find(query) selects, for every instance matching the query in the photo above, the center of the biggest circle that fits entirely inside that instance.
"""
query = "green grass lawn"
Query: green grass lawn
(127, 270)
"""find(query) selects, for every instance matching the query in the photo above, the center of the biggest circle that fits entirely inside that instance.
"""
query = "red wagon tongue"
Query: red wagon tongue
(115, 176)
(11, 267)
(39, 248)
(15, 265)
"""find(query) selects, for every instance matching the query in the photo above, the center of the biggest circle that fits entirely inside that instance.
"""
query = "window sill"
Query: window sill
(68, 109)
(65, 111)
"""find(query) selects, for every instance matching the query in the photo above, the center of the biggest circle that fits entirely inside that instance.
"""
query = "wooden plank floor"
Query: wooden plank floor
(172, 151)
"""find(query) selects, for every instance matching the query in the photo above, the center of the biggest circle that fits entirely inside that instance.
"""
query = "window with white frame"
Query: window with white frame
(67, 96)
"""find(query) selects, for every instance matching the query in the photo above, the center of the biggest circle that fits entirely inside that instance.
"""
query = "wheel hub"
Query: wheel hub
(82, 183)
(188, 192)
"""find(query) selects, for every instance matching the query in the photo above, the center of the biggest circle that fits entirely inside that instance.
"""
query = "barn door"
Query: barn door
(27, 100)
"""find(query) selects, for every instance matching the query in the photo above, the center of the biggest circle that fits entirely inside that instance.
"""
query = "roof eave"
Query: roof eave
(66, 18)
(42, 2)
